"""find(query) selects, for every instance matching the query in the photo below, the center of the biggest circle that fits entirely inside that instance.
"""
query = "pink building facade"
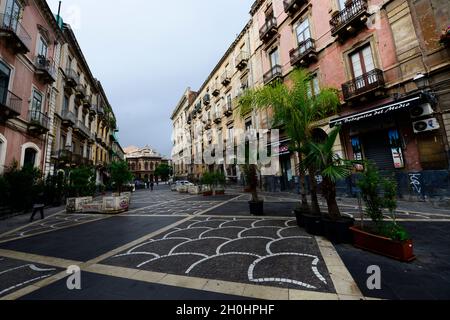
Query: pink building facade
(30, 42)
(373, 52)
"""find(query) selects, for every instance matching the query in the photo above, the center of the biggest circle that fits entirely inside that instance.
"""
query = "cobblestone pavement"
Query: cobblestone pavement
(180, 246)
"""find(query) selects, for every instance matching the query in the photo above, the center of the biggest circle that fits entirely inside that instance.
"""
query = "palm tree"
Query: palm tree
(330, 166)
(298, 111)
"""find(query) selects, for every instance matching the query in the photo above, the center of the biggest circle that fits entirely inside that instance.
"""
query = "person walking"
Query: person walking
(152, 185)
(38, 206)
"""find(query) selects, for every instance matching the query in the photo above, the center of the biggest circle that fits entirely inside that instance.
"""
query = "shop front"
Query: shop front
(403, 139)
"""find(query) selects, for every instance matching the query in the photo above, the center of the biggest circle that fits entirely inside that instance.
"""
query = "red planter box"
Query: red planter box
(402, 251)
(207, 193)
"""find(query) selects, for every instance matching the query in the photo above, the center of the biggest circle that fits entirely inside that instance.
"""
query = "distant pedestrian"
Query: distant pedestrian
(38, 206)
(152, 185)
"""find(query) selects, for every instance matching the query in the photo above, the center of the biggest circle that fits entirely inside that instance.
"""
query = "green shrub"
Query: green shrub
(81, 182)
(120, 175)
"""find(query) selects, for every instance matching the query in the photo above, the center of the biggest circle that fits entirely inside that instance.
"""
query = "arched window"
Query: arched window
(133, 167)
(152, 166)
(30, 157)
(146, 166)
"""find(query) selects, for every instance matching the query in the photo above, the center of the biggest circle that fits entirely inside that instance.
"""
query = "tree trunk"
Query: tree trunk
(315, 208)
(304, 206)
(329, 192)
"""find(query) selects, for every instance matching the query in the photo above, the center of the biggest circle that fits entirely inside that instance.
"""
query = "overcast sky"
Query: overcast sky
(147, 52)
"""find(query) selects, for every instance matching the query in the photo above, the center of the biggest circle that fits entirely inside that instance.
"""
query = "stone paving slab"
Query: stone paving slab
(16, 274)
(87, 241)
(185, 207)
(103, 287)
(270, 252)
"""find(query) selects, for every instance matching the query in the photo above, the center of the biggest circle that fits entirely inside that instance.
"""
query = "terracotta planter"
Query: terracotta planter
(399, 250)
(220, 192)
(338, 231)
(256, 208)
(207, 193)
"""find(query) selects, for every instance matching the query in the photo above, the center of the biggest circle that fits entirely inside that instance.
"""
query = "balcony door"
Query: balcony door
(303, 33)
(12, 14)
(274, 58)
(362, 63)
(5, 74)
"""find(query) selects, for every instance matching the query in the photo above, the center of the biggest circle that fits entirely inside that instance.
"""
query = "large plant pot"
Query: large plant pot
(75, 205)
(115, 205)
(338, 231)
(313, 224)
(207, 193)
(256, 208)
(399, 250)
(299, 216)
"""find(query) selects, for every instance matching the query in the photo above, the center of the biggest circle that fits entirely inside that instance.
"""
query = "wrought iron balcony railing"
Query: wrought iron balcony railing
(215, 90)
(14, 33)
(269, 29)
(273, 74)
(292, 6)
(10, 104)
(366, 83)
(72, 78)
(242, 60)
(63, 155)
(45, 68)
(304, 53)
(354, 12)
(68, 117)
(38, 121)
(225, 79)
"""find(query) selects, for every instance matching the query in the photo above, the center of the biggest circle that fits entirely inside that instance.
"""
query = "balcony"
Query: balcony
(82, 129)
(215, 90)
(63, 156)
(369, 83)
(80, 91)
(348, 21)
(15, 36)
(268, 30)
(273, 74)
(77, 159)
(225, 79)
(304, 54)
(87, 101)
(98, 138)
(189, 119)
(38, 123)
(208, 124)
(207, 99)
(10, 105)
(68, 117)
(217, 118)
(45, 69)
(242, 60)
(228, 111)
(72, 78)
(292, 6)
(92, 137)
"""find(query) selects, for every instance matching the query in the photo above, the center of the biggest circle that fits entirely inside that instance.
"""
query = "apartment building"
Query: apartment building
(392, 73)
(54, 114)
(30, 42)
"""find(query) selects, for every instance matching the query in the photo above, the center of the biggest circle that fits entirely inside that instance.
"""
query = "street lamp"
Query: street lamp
(421, 81)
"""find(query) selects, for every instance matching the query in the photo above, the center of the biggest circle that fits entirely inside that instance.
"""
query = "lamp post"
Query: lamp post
(421, 81)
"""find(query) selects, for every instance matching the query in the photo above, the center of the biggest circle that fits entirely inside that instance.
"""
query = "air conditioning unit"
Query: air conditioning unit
(426, 125)
(421, 111)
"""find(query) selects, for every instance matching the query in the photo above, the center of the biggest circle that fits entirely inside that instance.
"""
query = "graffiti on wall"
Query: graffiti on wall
(415, 181)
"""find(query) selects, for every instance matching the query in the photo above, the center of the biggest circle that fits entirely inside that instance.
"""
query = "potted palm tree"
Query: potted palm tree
(297, 111)
(332, 167)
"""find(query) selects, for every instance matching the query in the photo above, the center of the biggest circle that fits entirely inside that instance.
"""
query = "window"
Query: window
(36, 104)
(248, 125)
(42, 48)
(30, 157)
(12, 14)
(274, 58)
(229, 102)
(69, 63)
(302, 31)
(362, 63)
(5, 73)
(313, 86)
(65, 106)
(230, 134)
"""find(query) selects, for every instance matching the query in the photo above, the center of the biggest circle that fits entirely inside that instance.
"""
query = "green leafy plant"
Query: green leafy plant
(81, 182)
(297, 111)
(331, 166)
(378, 194)
(120, 174)
(213, 180)
(163, 171)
